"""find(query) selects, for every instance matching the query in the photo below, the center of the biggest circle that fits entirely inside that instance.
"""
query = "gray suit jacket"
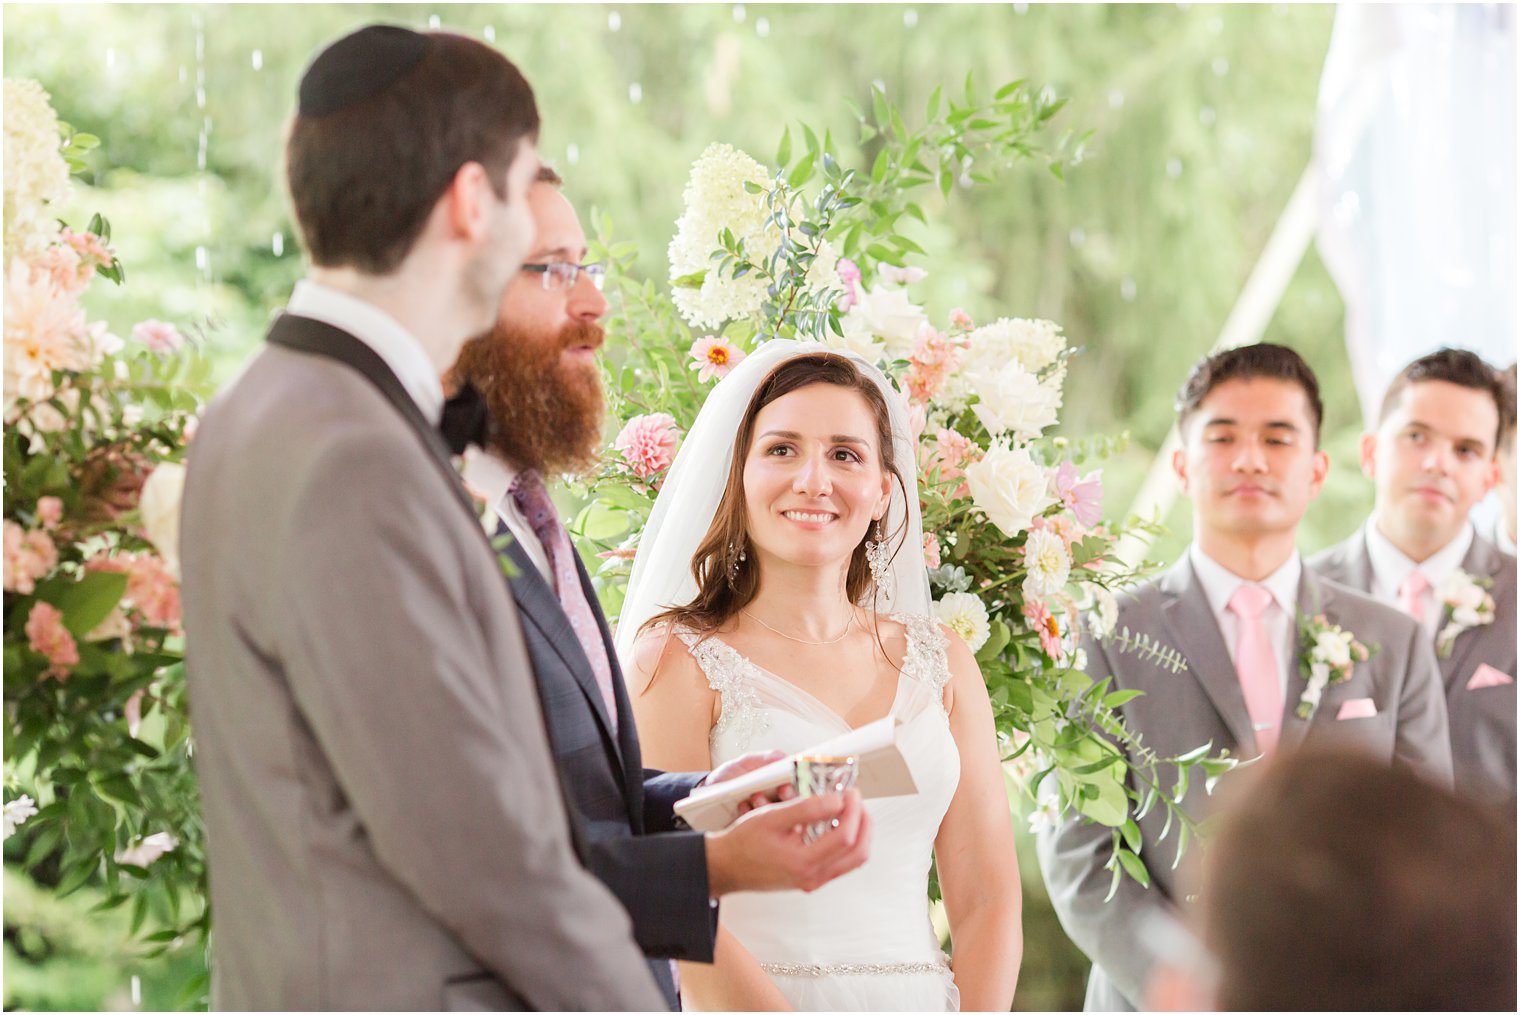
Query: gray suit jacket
(1482, 718)
(1204, 705)
(385, 828)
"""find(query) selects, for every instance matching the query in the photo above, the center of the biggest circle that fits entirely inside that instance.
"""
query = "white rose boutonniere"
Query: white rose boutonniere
(1466, 603)
(1328, 656)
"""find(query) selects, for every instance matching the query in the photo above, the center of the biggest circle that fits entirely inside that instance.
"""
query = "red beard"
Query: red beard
(547, 412)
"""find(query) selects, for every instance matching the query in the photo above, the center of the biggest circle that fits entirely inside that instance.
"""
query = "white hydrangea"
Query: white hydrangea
(36, 175)
(1033, 344)
(1012, 400)
(715, 199)
(964, 614)
(1048, 562)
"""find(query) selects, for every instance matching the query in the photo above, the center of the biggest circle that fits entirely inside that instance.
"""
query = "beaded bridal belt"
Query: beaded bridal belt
(852, 968)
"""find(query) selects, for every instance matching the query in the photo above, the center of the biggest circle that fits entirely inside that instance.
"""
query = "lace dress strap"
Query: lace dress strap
(727, 673)
(927, 659)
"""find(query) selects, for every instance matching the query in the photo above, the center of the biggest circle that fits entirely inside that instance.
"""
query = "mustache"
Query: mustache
(582, 333)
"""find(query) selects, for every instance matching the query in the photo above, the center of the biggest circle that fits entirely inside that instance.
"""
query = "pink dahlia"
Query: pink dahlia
(648, 443)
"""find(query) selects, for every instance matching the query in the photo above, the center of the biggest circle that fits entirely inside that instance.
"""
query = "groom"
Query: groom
(1249, 420)
(384, 822)
(538, 373)
(1432, 458)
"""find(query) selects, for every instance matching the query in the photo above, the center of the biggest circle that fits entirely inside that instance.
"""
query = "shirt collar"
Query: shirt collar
(1390, 566)
(489, 476)
(396, 346)
(1219, 582)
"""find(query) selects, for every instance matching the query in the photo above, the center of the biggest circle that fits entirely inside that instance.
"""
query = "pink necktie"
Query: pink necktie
(1256, 665)
(533, 501)
(1410, 593)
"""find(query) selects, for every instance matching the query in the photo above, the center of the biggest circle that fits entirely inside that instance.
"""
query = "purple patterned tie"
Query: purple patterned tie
(533, 501)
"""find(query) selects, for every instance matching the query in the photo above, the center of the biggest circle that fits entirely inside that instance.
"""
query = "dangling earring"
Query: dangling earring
(879, 561)
(733, 568)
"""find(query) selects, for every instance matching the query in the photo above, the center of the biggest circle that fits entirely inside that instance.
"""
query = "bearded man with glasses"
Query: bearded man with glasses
(537, 373)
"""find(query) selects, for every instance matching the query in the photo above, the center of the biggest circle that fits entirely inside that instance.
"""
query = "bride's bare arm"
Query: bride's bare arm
(675, 710)
(978, 865)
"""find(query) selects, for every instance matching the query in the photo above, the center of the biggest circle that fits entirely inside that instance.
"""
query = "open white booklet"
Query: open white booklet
(882, 772)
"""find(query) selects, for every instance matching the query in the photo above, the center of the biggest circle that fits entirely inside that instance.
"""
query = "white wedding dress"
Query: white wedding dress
(862, 942)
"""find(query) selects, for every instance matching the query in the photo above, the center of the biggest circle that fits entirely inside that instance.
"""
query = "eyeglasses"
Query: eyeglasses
(563, 274)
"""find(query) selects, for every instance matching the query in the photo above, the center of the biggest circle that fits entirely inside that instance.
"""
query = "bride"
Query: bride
(778, 598)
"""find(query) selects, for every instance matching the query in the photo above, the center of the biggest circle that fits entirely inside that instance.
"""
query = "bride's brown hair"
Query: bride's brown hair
(727, 582)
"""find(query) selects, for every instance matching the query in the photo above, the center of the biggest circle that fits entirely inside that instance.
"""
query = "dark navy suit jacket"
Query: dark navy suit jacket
(659, 874)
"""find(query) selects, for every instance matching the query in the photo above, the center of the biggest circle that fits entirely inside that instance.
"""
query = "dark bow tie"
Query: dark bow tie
(465, 420)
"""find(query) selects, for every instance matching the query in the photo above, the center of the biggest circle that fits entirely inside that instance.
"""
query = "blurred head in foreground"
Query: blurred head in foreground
(1336, 882)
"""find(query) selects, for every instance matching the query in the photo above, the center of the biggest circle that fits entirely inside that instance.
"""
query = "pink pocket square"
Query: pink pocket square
(1488, 676)
(1357, 708)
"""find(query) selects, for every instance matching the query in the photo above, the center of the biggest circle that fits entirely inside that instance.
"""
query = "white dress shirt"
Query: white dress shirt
(490, 476)
(1219, 584)
(380, 331)
(1390, 567)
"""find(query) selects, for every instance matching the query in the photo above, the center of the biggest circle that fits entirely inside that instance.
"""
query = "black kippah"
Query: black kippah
(359, 66)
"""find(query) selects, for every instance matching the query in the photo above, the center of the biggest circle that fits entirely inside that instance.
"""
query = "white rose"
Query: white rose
(159, 508)
(887, 314)
(16, 813)
(1012, 400)
(1333, 648)
(1009, 487)
(861, 342)
(964, 614)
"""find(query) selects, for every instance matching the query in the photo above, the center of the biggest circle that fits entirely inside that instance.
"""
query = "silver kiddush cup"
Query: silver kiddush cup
(817, 774)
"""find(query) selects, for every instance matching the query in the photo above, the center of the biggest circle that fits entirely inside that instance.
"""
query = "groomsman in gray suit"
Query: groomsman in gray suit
(1249, 460)
(538, 373)
(1432, 457)
(385, 826)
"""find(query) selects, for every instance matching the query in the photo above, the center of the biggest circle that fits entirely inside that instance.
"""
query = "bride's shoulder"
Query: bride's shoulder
(665, 651)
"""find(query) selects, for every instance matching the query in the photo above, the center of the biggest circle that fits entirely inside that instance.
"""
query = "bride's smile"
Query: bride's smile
(813, 481)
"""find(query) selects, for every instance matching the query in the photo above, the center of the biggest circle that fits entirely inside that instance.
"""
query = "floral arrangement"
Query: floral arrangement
(1328, 656)
(1017, 549)
(98, 783)
(1466, 603)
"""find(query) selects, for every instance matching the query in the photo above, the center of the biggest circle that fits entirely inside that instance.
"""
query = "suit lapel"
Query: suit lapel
(1197, 634)
(303, 334)
(1482, 561)
(537, 601)
(628, 734)
(1358, 573)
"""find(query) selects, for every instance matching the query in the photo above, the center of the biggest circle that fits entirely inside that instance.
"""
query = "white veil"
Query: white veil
(683, 512)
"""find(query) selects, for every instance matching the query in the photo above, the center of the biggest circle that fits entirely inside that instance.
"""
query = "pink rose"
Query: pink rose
(714, 357)
(159, 336)
(49, 512)
(48, 637)
(29, 556)
(648, 443)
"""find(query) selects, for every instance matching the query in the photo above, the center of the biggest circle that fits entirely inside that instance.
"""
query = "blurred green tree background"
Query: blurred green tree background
(1202, 118)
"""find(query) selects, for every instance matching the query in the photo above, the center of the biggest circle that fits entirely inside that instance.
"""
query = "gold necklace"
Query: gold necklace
(803, 641)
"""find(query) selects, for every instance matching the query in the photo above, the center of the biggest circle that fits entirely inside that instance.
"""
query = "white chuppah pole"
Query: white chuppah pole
(1247, 322)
